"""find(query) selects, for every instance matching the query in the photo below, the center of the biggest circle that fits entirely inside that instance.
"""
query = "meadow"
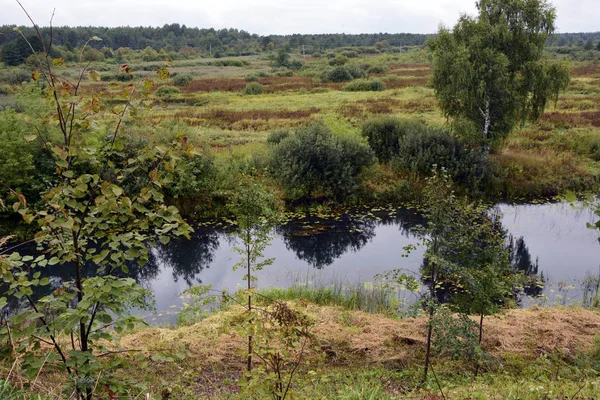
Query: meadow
(559, 152)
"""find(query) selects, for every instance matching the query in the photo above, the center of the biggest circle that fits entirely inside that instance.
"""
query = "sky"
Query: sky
(279, 16)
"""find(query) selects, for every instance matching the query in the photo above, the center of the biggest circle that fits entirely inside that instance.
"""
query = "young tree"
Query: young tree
(102, 209)
(467, 264)
(489, 70)
(255, 212)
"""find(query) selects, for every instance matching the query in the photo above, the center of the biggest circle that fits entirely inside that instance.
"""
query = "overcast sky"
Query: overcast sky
(279, 16)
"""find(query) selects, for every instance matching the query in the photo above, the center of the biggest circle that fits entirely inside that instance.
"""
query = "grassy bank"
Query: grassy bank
(550, 353)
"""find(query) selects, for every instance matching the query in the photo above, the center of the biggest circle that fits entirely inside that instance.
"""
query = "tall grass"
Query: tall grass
(356, 296)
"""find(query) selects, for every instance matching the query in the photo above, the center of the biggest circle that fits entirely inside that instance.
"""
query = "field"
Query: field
(205, 100)
(561, 151)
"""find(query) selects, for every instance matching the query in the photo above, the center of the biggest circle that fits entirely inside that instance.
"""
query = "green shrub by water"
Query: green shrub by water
(384, 133)
(314, 162)
(420, 149)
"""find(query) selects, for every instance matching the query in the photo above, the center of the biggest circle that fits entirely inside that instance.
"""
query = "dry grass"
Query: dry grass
(352, 337)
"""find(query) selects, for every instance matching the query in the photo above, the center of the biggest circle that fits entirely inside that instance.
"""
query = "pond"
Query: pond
(547, 240)
(550, 240)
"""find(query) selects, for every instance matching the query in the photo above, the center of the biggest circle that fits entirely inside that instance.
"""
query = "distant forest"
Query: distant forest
(175, 38)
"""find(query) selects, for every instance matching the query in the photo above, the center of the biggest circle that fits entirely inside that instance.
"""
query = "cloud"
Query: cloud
(280, 16)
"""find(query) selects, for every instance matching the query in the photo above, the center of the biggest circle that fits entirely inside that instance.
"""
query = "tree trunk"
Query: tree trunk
(487, 118)
(249, 309)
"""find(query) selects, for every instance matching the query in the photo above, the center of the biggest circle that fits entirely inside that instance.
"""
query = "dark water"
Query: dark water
(550, 240)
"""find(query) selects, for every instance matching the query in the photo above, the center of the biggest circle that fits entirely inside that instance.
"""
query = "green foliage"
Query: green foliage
(251, 78)
(341, 74)
(192, 187)
(166, 92)
(277, 136)
(182, 79)
(282, 339)
(377, 69)
(196, 304)
(423, 147)
(338, 60)
(282, 59)
(465, 259)
(253, 88)
(490, 69)
(87, 219)
(364, 85)
(384, 133)
(14, 76)
(232, 62)
(22, 162)
(123, 77)
(314, 162)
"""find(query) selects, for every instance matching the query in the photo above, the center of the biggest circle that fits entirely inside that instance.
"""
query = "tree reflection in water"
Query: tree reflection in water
(188, 258)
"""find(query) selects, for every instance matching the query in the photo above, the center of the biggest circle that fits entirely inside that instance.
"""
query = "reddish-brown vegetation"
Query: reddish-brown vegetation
(569, 120)
(587, 70)
(384, 106)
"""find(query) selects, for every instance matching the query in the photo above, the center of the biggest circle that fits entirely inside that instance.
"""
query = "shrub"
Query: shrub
(277, 136)
(338, 74)
(420, 149)
(182, 80)
(193, 185)
(377, 69)
(253, 88)
(167, 92)
(295, 65)
(314, 162)
(355, 71)
(15, 76)
(251, 78)
(383, 134)
(364, 85)
(338, 60)
(123, 77)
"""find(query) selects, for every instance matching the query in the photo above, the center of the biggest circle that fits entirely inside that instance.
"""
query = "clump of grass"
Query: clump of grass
(359, 296)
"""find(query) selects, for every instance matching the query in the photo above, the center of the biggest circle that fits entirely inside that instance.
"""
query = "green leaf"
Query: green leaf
(58, 61)
(163, 73)
(94, 76)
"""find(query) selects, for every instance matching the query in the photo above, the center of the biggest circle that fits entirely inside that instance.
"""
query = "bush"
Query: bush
(167, 92)
(419, 150)
(277, 136)
(338, 74)
(15, 76)
(182, 80)
(123, 77)
(356, 71)
(364, 85)
(251, 78)
(384, 133)
(377, 69)
(338, 60)
(193, 185)
(253, 88)
(295, 65)
(314, 162)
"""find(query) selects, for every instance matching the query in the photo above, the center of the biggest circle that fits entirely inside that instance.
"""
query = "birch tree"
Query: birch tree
(489, 70)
